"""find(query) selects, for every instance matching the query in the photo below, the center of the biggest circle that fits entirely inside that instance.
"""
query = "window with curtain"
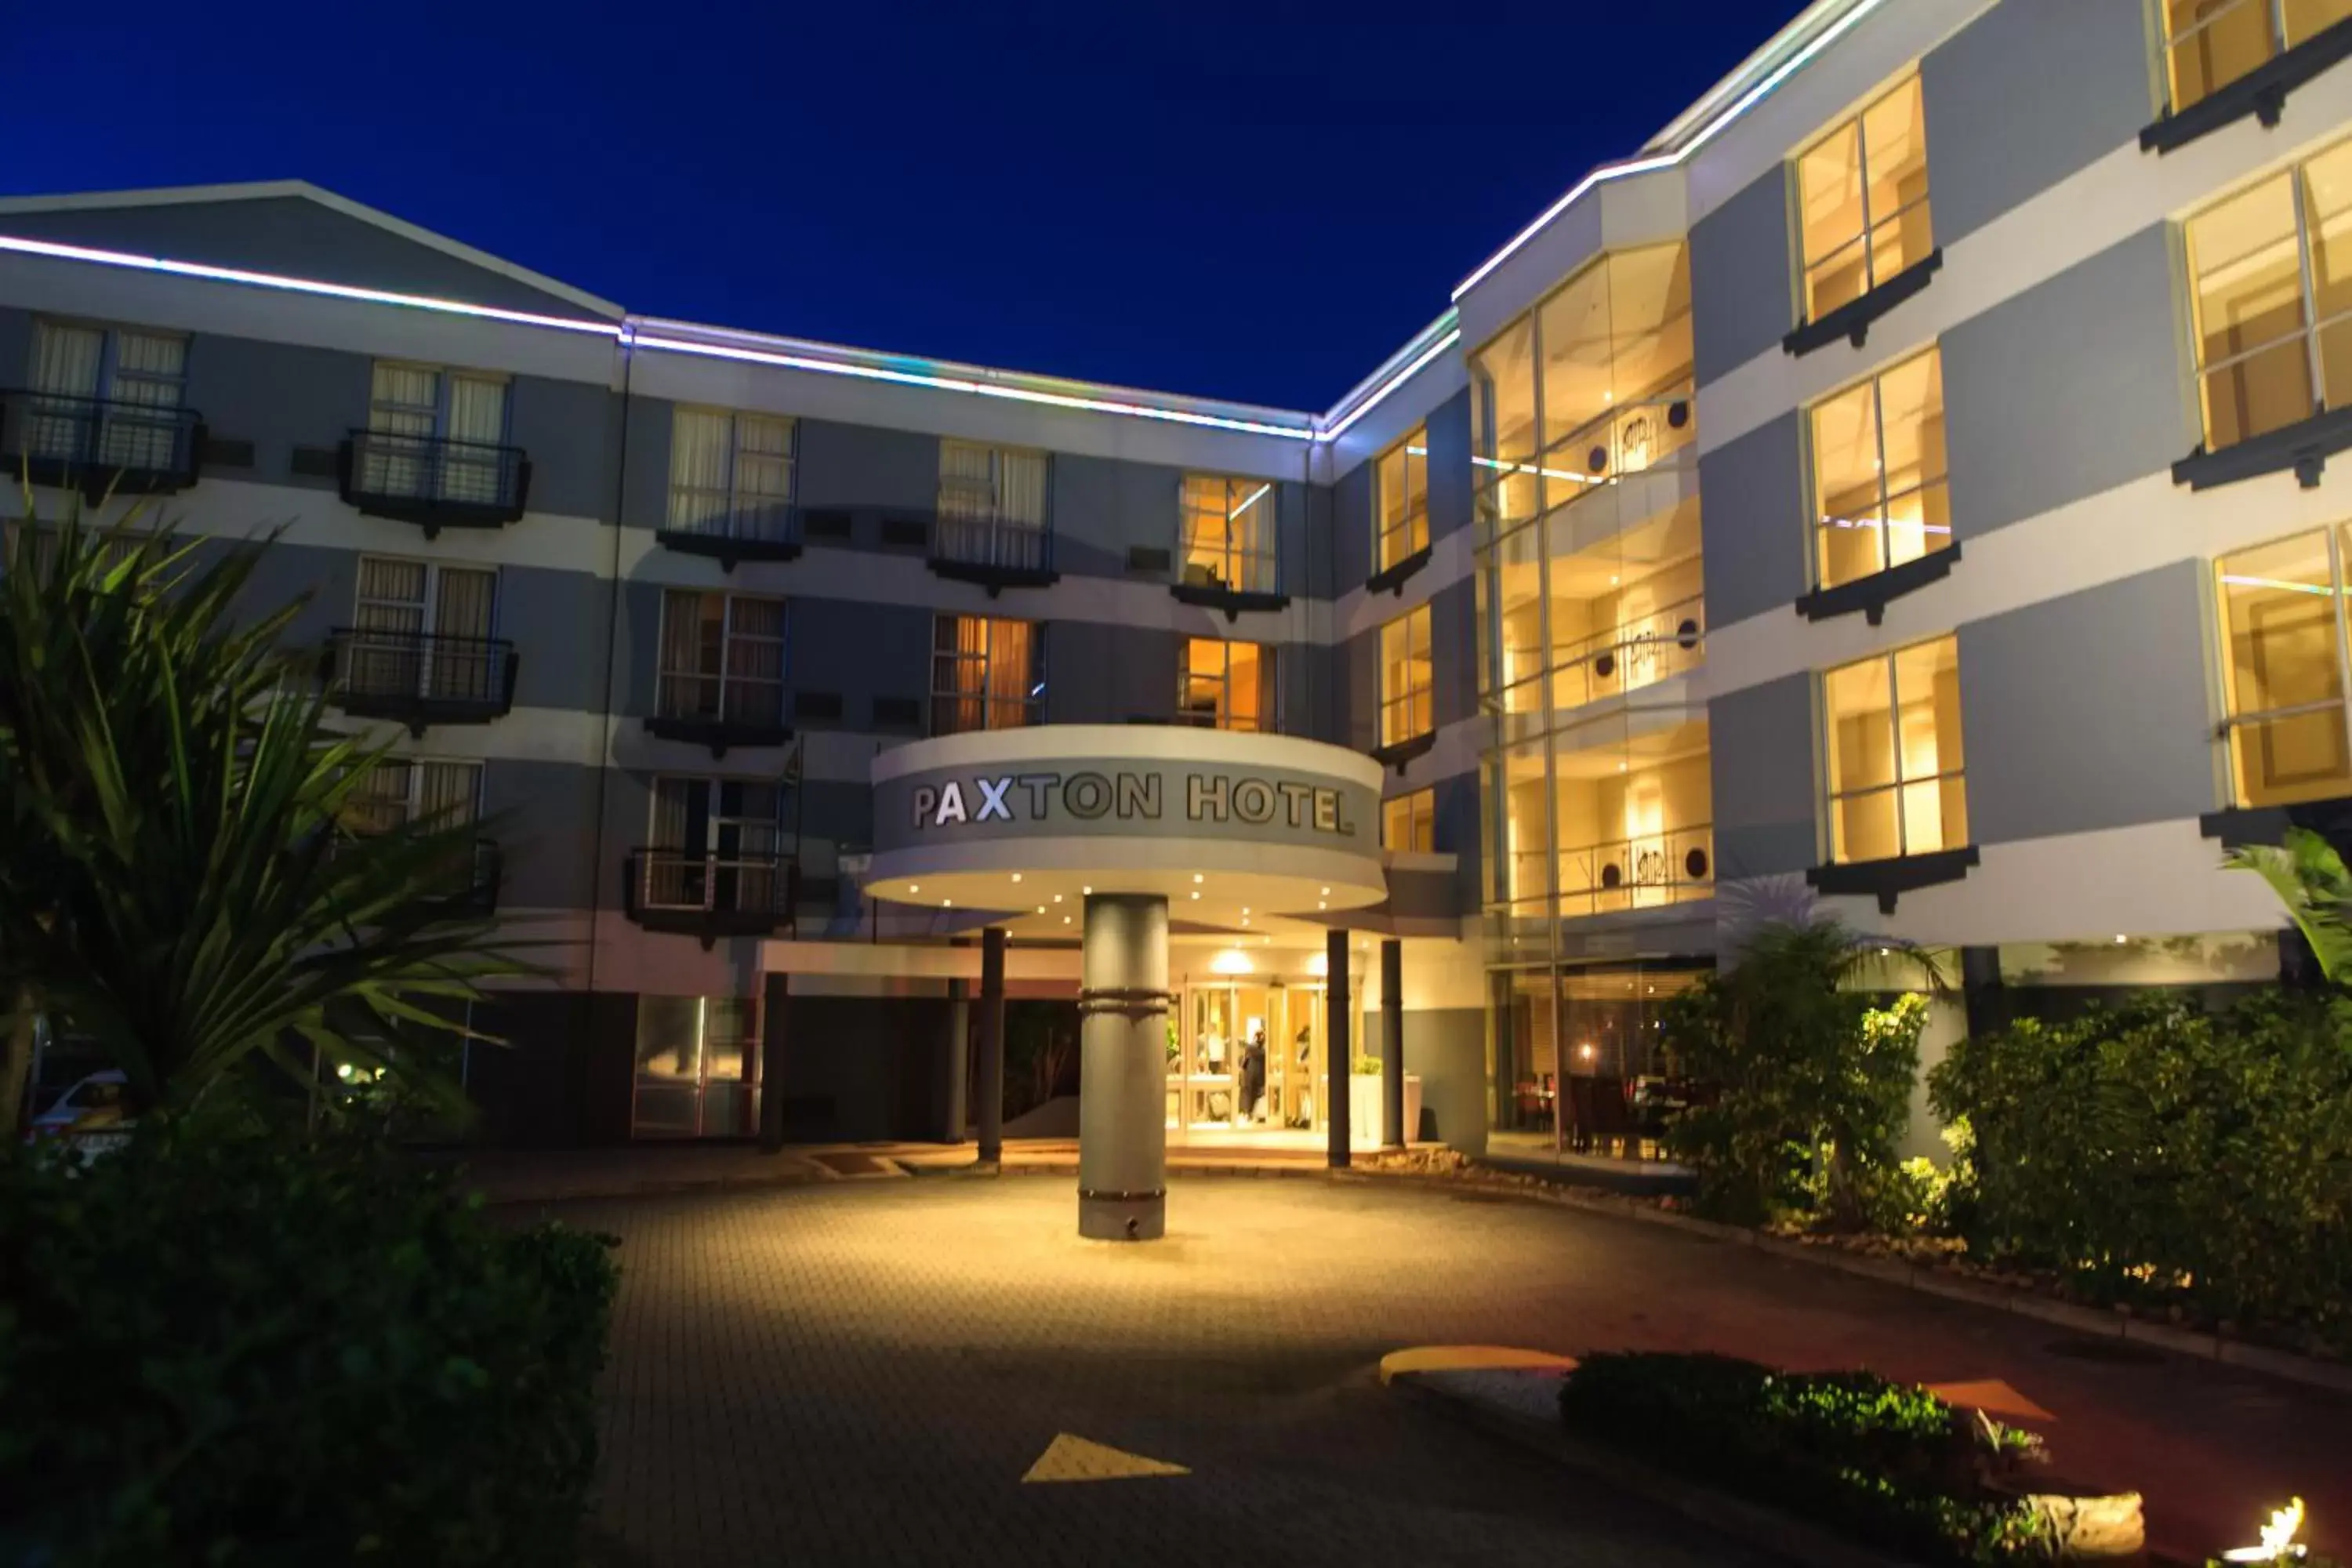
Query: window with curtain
(722, 658)
(112, 394)
(991, 505)
(1862, 200)
(2209, 43)
(1406, 679)
(435, 433)
(2270, 269)
(1400, 500)
(423, 628)
(1229, 538)
(1226, 684)
(2283, 661)
(403, 790)
(715, 844)
(1880, 494)
(1409, 822)
(986, 674)
(1895, 781)
(730, 474)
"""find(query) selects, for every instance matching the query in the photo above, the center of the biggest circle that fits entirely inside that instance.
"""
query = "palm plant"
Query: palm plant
(179, 882)
(2315, 890)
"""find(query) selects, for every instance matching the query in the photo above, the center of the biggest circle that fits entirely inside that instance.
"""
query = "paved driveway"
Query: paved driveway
(863, 1372)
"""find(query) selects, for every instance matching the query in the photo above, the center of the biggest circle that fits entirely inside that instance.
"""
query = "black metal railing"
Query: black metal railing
(753, 532)
(709, 712)
(96, 444)
(710, 894)
(994, 550)
(419, 678)
(433, 480)
(473, 886)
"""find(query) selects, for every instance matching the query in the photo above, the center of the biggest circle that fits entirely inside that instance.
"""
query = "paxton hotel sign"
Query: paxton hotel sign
(1128, 798)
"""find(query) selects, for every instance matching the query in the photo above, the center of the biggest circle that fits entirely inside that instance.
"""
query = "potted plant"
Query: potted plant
(1364, 1100)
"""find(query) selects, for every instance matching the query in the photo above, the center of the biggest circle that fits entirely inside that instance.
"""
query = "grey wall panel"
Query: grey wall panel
(1449, 465)
(1766, 796)
(295, 238)
(644, 480)
(1103, 507)
(322, 580)
(1752, 526)
(1359, 691)
(1102, 674)
(861, 652)
(1445, 1048)
(557, 621)
(2090, 712)
(16, 346)
(1457, 833)
(2025, 95)
(1352, 528)
(545, 816)
(2073, 387)
(279, 396)
(863, 466)
(637, 650)
(570, 431)
(1295, 532)
(627, 822)
(839, 812)
(1743, 283)
(1454, 650)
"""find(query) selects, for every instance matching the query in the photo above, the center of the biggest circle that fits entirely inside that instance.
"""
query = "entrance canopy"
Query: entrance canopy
(1233, 830)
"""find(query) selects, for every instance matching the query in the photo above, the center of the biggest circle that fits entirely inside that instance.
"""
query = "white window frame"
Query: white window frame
(1032, 705)
(1395, 700)
(1411, 521)
(727, 678)
(1268, 676)
(730, 510)
(1253, 570)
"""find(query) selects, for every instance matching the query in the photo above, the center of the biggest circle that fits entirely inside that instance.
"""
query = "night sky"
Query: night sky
(1243, 201)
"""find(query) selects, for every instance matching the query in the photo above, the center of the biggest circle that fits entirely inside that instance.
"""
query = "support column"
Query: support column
(990, 1086)
(957, 1113)
(1123, 1068)
(1394, 1131)
(1982, 995)
(775, 1004)
(1339, 1052)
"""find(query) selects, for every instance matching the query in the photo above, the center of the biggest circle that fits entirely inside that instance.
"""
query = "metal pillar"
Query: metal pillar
(1393, 1128)
(1339, 1011)
(1123, 1068)
(775, 1004)
(991, 1087)
(957, 1052)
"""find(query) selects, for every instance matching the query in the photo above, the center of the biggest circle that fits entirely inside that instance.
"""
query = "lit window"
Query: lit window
(2209, 43)
(731, 475)
(1879, 492)
(1401, 506)
(1405, 678)
(722, 658)
(1632, 816)
(2273, 270)
(2283, 658)
(1409, 822)
(1862, 199)
(1895, 768)
(992, 507)
(1226, 684)
(986, 674)
(1229, 534)
(1503, 487)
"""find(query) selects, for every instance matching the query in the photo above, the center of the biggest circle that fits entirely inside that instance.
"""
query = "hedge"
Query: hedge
(216, 1348)
(2156, 1153)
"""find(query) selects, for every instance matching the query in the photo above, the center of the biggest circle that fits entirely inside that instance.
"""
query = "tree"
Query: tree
(179, 884)
(2315, 888)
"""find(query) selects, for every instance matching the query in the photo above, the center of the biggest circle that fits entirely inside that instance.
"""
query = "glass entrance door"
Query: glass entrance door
(695, 1077)
(1245, 1056)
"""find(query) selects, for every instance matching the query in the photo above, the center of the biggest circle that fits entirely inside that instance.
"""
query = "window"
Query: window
(1895, 785)
(722, 658)
(1862, 201)
(697, 1073)
(1409, 822)
(992, 507)
(2273, 270)
(716, 845)
(403, 789)
(986, 674)
(1226, 684)
(1631, 814)
(435, 433)
(1400, 501)
(424, 630)
(1880, 497)
(1229, 534)
(1405, 678)
(2209, 43)
(105, 394)
(729, 474)
(2283, 662)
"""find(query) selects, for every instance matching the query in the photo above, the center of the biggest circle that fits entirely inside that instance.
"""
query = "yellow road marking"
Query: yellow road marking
(1069, 1459)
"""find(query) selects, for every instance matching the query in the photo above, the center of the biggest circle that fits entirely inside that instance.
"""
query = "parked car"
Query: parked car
(94, 1113)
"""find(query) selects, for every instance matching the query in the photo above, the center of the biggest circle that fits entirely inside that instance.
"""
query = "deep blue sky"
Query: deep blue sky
(1246, 201)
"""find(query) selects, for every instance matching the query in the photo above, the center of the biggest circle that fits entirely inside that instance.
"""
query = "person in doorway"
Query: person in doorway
(1252, 1096)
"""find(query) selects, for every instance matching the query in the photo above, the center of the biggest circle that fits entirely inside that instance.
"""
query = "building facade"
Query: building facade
(1902, 487)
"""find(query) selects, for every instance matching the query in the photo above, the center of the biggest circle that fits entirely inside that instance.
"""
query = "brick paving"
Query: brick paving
(861, 1372)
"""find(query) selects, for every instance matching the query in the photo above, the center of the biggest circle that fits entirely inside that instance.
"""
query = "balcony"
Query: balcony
(1237, 583)
(433, 481)
(711, 895)
(1664, 643)
(417, 678)
(703, 710)
(995, 552)
(752, 533)
(1628, 467)
(100, 447)
(474, 886)
(1670, 866)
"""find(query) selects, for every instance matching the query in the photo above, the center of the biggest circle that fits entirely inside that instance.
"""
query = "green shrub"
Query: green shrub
(2157, 1153)
(1885, 1463)
(216, 1348)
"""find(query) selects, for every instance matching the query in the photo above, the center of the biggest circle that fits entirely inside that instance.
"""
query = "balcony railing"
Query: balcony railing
(1642, 652)
(1627, 441)
(1645, 872)
(474, 886)
(1231, 581)
(433, 481)
(419, 679)
(760, 531)
(994, 550)
(710, 712)
(711, 895)
(96, 446)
